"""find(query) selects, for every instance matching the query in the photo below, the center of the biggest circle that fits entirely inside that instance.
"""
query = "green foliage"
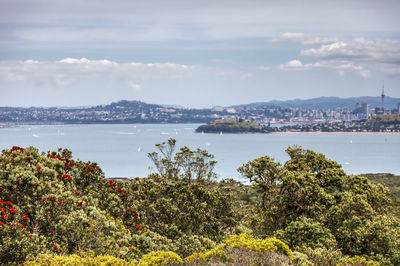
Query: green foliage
(55, 211)
(245, 250)
(56, 205)
(311, 202)
(232, 126)
(359, 261)
(306, 232)
(86, 259)
(388, 119)
(186, 213)
(190, 166)
(393, 183)
(157, 258)
(318, 256)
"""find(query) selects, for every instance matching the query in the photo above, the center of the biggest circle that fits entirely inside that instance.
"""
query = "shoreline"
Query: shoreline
(333, 132)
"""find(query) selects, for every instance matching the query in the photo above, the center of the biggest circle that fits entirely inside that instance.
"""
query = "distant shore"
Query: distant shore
(333, 132)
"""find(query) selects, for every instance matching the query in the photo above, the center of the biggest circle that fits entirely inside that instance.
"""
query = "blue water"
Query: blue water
(116, 147)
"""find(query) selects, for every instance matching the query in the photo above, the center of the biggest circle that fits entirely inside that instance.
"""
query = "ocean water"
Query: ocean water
(121, 150)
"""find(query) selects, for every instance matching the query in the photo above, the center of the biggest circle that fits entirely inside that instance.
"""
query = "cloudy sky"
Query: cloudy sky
(195, 53)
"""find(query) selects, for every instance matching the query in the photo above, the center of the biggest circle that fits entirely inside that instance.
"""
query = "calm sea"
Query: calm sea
(121, 150)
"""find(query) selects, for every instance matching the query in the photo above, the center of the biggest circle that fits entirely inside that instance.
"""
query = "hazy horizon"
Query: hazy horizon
(196, 54)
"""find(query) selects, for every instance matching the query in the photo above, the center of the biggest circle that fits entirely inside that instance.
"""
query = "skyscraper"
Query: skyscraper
(383, 97)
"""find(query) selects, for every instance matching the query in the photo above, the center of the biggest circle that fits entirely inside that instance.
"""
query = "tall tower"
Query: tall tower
(383, 97)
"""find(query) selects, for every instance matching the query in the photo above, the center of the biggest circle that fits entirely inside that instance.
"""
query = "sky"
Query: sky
(195, 53)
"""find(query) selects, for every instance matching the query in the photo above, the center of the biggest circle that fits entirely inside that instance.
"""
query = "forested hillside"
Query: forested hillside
(58, 210)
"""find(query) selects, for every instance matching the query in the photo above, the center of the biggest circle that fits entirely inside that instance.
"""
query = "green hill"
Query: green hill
(232, 126)
(385, 119)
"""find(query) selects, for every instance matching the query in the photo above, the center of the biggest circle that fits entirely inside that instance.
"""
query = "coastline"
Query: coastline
(334, 132)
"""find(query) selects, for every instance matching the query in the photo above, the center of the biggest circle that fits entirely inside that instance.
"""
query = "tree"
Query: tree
(310, 198)
(188, 165)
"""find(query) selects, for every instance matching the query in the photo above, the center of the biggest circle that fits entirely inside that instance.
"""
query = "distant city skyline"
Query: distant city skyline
(196, 53)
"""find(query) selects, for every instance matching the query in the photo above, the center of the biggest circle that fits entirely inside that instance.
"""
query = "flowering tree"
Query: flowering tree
(52, 203)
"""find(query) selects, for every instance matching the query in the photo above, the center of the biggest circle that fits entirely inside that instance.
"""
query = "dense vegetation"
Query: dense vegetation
(57, 210)
(390, 119)
(232, 126)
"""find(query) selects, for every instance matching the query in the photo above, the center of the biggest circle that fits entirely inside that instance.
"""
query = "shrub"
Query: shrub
(358, 261)
(321, 256)
(245, 250)
(306, 232)
(87, 259)
(53, 204)
(157, 258)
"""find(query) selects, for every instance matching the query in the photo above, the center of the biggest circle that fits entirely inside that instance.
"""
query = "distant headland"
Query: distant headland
(232, 126)
(389, 123)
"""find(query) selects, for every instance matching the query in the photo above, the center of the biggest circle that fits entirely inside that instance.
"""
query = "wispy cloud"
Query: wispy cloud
(301, 38)
(67, 71)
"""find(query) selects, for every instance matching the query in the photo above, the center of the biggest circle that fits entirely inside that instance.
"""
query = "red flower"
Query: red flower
(55, 247)
(18, 179)
(30, 235)
(60, 250)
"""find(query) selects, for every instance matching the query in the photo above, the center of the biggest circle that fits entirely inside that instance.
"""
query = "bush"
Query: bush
(306, 232)
(157, 258)
(53, 204)
(245, 250)
(88, 259)
(320, 256)
(358, 261)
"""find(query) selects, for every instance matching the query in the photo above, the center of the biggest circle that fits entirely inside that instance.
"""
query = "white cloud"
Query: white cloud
(69, 71)
(294, 65)
(301, 38)
(360, 49)
(340, 66)
(359, 55)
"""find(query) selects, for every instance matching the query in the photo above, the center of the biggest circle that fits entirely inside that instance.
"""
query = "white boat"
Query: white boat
(139, 149)
(220, 133)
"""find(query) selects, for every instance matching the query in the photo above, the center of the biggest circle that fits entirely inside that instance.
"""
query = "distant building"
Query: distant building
(365, 109)
(383, 97)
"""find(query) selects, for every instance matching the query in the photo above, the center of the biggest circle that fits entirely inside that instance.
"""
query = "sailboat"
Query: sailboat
(220, 133)
(139, 149)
